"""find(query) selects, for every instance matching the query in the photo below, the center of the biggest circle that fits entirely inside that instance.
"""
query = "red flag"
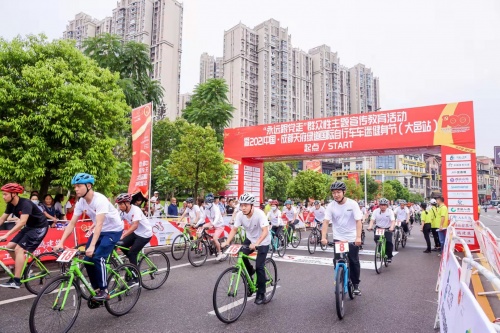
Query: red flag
(141, 150)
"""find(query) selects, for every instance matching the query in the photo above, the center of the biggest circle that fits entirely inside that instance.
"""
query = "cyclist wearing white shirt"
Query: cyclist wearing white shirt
(290, 214)
(192, 211)
(257, 237)
(212, 212)
(274, 216)
(108, 228)
(346, 224)
(402, 215)
(319, 213)
(383, 217)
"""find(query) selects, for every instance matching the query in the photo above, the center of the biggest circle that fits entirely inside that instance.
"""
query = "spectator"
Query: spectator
(443, 217)
(157, 207)
(201, 202)
(155, 198)
(183, 208)
(435, 224)
(267, 208)
(222, 205)
(426, 226)
(34, 199)
(49, 210)
(230, 207)
(70, 206)
(172, 210)
(58, 205)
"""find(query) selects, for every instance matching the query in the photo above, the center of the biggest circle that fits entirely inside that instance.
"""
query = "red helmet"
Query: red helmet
(124, 197)
(13, 188)
(274, 202)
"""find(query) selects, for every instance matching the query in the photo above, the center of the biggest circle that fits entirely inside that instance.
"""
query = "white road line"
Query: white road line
(235, 304)
(330, 249)
(365, 264)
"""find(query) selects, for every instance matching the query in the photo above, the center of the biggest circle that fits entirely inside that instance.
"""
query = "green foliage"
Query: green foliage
(372, 187)
(60, 114)
(401, 191)
(132, 61)
(210, 107)
(309, 184)
(124, 172)
(389, 192)
(167, 136)
(277, 176)
(197, 164)
(354, 190)
(164, 181)
(415, 197)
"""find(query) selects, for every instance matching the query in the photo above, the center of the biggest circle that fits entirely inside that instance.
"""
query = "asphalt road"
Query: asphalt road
(401, 299)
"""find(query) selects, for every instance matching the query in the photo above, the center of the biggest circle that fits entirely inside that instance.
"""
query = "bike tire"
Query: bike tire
(312, 241)
(403, 241)
(122, 304)
(323, 246)
(339, 292)
(48, 269)
(378, 258)
(363, 236)
(179, 246)
(158, 274)
(197, 253)
(43, 317)
(271, 279)
(296, 239)
(226, 308)
(350, 288)
(396, 240)
(281, 245)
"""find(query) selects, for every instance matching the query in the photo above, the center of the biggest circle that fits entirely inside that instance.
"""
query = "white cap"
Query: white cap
(269, 200)
(433, 201)
(156, 192)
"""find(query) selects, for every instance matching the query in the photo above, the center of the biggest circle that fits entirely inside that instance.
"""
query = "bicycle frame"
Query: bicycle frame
(140, 256)
(240, 265)
(383, 241)
(342, 262)
(28, 256)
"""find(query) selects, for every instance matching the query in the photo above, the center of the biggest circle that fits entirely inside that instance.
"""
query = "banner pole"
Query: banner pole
(364, 164)
(150, 159)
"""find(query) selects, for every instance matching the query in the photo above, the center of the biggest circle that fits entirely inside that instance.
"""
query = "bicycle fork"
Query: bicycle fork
(346, 275)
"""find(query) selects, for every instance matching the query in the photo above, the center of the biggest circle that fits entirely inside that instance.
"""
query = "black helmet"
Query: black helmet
(338, 186)
(189, 200)
(209, 198)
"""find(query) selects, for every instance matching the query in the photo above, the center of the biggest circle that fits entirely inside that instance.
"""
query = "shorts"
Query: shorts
(30, 238)
(218, 232)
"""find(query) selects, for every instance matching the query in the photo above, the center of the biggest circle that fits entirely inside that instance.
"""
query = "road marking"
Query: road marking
(365, 264)
(235, 304)
(330, 249)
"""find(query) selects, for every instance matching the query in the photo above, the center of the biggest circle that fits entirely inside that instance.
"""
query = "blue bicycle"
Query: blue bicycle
(278, 243)
(343, 284)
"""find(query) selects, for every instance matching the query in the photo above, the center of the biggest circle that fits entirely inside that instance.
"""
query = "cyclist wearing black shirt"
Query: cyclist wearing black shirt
(32, 224)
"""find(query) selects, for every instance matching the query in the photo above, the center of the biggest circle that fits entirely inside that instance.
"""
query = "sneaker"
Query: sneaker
(101, 296)
(389, 260)
(427, 251)
(356, 290)
(133, 283)
(219, 257)
(259, 299)
(11, 284)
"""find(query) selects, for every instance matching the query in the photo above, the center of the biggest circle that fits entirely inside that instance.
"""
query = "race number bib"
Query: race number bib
(379, 232)
(233, 250)
(67, 255)
(313, 224)
(341, 247)
(199, 231)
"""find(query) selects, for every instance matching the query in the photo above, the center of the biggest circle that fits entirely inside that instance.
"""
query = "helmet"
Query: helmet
(247, 198)
(124, 197)
(275, 202)
(209, 198)
(288, 202)
(361, 204)
(317, 202)
(402, 202)
(13, 188)
(82, 178)
(433, 202)
(383, 201)
(189, 200)
(338, 186)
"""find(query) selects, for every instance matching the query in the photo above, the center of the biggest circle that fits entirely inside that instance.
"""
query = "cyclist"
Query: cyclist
(290, 214)
(140, 231)
(35, 228)
(346, 223)
(410, 208)
(274, 216)
(258, 237)
(108, 228)
(319, 214)
(192, 211)
(212, 212)
(383, 217)
(402, 215)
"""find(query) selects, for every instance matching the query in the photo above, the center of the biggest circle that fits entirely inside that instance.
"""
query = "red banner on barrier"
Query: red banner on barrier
(141, 150)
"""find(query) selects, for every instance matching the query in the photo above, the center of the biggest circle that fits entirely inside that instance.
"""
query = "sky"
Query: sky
(425, 52)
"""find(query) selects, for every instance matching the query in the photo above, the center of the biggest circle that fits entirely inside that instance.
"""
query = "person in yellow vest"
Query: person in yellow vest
(426, 219)
(267, 208)
(443, 221)
(435, 220)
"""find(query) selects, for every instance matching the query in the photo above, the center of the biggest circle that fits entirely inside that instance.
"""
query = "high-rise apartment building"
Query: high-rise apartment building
(184, 100)
(211, 67)
(364, 94)
(156, 23)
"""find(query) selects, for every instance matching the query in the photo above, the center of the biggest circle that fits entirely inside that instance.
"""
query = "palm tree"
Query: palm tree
(136, 62)
(106, 50)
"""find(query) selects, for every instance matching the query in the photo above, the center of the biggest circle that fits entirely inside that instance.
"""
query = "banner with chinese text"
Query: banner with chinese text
(141, 150)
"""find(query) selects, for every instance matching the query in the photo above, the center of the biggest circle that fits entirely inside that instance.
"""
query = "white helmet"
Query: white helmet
(433, 202)
(247, 198)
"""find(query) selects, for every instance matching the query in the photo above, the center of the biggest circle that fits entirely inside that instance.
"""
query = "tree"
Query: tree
(389, 192)
(124, 172)
(372, 186)
(401, 191)
(309, 184)
(163, 181)
(277, 176)
(60, 114)
(416, 197)
(197, 163)
(354, 190)
(210, 107)
(167, 136)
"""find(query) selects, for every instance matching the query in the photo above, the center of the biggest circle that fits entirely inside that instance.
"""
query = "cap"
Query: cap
(156, 192)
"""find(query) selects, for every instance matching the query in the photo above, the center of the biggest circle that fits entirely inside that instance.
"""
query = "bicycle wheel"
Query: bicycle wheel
(339, 292)
(198, 253)
(378, 258)
(363, 237)
(323, 246)
(154, 268)
(396, 240)
(350, 289)
(312, 241)
(230, 295)
(271, 279)
(296, 237)
(179, 246)
(48, 312)
(123, 297)
(409, 229)
(44, 270)
(281, 245)
(403, 240)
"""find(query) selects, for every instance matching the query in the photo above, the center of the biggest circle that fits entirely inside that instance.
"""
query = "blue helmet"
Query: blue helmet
(209, 198)
(82, 178)
(288, 202)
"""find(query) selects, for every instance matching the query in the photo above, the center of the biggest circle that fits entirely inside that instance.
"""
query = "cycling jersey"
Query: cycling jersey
(383, 220)
(319, 214)
(144, 229)
(100, 205)
(191, 212)
(289, 213)
(36, 218)
(275, 217)
(402, 214)
(214, 216)
(344, 219)
(253, 226)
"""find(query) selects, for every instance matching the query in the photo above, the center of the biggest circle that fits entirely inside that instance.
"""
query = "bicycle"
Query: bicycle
(380, 254)
(198, 250)
(35, 273)
(181, 242)
(235, 285)
(278, 243)
(240, 236)
(58, 303)
(343, 283)
(292, 237)
(400, 236)
(314, 238)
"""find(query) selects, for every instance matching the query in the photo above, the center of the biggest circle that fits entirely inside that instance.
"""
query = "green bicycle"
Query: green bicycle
(181, 242)
(240, 236)
(380, 254)
(37, 269)
(292, 237)
(57, 305)
(235, 285)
